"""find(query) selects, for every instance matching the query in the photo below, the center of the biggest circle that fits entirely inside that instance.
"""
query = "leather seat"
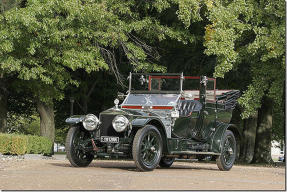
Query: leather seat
(188, 106)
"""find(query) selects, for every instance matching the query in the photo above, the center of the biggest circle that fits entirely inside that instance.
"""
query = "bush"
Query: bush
(5, 143)
(46, 145)
(21, 144)
(34, 144)
(18, 144)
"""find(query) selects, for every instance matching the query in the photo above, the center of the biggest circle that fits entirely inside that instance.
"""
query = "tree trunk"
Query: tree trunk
(3, 112)
(248, 139)
(47, 123)
(85, 104)
(3, 106)
(262, 153)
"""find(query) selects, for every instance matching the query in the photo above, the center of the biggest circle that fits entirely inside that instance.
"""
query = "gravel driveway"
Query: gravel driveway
(56, 173)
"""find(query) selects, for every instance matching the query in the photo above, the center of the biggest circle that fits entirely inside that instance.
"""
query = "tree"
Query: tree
(45, 41)
(247, 37)
(5, 5)
(252, 33)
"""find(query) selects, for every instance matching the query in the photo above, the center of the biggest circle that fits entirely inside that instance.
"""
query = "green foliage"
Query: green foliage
(188, 10)
(60, 135)
(45, 41)
(18, 144)
(34, 144)
(21, 124)
(53, 46)
(44, 143)
(251, 33)
(5, 143)
(33, 128)
(22, 144)
(5, 5)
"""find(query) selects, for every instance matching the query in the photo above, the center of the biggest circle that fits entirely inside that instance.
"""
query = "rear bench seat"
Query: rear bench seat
(188, 106)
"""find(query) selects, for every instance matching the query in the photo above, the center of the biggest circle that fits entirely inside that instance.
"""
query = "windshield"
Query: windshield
(155, 83)
(151, 99)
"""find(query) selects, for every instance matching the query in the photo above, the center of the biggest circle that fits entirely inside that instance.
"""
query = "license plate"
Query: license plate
(106, 139)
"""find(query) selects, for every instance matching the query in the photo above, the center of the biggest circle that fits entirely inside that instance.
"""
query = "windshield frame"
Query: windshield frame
(180, 76)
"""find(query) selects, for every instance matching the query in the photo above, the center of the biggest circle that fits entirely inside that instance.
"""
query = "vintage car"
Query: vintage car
(162, 117)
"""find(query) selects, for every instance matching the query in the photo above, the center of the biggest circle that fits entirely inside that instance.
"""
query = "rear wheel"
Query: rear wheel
(166, 161)
(74, 142)
(147, 148)
(226, 160)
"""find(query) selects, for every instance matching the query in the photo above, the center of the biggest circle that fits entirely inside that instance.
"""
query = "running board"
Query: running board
(192, 152)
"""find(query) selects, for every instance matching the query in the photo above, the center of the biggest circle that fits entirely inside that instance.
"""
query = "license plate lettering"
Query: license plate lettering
(105, 139)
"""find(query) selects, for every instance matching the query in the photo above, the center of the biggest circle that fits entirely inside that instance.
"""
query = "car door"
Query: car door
(189, 107)
(206, 119)
(188, 116)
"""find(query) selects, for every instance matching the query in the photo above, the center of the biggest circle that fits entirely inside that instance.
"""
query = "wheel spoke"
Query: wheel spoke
(147, 157)
(152, 140)
(143, 147)
(144, 155)
(151, 156)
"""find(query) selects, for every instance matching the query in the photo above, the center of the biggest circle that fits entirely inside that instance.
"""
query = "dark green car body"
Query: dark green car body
(191, 121)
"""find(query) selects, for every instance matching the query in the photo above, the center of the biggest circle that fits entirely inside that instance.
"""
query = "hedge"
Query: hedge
(22, 144)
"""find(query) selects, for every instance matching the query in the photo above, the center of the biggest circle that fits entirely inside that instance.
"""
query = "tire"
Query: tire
(75, 155)
(166, 162)
(226, 160)
(147, 148)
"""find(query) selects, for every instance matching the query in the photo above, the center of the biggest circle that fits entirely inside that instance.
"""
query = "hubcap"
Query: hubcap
(228, 151)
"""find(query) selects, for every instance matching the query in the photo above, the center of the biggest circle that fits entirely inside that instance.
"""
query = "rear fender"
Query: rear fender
(215, 140)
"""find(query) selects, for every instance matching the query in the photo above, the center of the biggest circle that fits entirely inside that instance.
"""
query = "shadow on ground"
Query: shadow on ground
(130, 166)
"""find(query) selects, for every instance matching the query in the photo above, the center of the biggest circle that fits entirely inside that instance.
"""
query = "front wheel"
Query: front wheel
(76, 138)
(226, 160)
(147, 148)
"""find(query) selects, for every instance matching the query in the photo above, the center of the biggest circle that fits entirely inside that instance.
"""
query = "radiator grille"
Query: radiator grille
(106, 127)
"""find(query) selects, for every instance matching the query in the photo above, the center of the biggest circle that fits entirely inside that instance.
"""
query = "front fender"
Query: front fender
(140, 122)
(164, 131)
(75, 119)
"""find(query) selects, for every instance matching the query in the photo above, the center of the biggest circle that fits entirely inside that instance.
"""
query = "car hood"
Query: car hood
(130, 112)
